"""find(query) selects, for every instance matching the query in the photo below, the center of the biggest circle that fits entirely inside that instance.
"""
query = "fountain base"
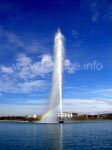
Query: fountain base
(61, 121)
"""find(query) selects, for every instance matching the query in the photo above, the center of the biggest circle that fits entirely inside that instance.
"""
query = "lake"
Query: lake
(68, 136)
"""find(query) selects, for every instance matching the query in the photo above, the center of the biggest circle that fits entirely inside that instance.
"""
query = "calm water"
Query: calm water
(71, 136)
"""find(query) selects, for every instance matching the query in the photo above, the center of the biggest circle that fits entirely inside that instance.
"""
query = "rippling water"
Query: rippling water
(70, 136)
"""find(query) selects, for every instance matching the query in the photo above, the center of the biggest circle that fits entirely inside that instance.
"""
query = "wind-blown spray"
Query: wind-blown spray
(56, 91)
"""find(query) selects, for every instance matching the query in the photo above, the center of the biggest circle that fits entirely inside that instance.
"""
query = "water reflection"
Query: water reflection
(31, 136)
(55, 135)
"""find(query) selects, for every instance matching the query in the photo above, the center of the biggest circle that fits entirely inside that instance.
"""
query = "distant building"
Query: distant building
(65, 115)
(35, 116)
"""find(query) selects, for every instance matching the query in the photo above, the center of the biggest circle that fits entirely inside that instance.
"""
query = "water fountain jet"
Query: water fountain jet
(55, 101)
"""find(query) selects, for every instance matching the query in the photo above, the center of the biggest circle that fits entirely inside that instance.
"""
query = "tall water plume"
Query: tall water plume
(55, 101)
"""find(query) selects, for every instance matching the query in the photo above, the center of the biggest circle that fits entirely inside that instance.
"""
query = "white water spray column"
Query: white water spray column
(55, 101)
(58, 68)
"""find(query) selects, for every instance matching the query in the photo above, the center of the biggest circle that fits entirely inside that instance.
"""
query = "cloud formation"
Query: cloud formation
(12, 42)
(104, 92)
(23, 75)
(98, 10)
(33, 106)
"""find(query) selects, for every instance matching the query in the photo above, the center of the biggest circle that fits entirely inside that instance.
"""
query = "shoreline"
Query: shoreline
(73, 121)
(12, 121)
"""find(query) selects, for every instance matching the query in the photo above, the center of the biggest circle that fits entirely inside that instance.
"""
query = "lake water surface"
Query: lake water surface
(68, 136)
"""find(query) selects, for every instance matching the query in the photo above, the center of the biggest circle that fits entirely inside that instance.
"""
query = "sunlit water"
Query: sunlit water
(70, 136)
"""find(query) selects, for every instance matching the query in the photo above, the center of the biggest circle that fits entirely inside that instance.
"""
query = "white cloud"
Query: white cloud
(29, 69)
(33, 106)
(15, 86)
(98, 10)
(32, 86)
(23, 60)
(5, 69)
(103, 92)
(43, 67)
(69, 66)
(87, 105)
(46, 59)
(8, 110)
(22, 75)
(13, 41)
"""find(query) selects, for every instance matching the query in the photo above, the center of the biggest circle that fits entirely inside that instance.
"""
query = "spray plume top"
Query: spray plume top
(59, 30)
(59, 35)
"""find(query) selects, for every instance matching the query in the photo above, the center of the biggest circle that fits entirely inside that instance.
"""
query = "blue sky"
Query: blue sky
(27, 30)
